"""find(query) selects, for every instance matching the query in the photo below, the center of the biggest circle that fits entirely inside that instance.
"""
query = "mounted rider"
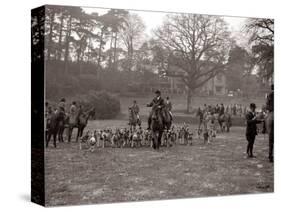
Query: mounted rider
(157, 103)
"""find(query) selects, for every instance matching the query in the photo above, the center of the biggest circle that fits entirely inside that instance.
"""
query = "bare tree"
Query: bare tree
(262, 40)
(196, 48)
(132, 35)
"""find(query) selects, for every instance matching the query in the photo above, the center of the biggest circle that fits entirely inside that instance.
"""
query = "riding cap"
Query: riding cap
(158, 92)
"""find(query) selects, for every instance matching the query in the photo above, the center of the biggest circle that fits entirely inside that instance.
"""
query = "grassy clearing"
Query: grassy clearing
(117, 175)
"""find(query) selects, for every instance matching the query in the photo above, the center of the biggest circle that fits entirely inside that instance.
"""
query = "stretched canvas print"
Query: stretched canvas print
(132, 105)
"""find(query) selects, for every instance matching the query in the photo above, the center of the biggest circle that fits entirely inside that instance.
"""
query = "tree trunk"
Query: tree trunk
(114, 55)
(67, 45)
(189, 98)
(50, 35)
(110, 52)
(59, 50)
(99, 54)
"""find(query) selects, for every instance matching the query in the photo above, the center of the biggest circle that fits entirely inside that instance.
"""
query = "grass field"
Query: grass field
(117, 175)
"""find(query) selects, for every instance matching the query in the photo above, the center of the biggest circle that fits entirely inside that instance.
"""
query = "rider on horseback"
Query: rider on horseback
(157, 103)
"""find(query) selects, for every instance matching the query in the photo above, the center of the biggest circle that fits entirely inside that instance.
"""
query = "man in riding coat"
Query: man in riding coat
(157, 102)
(135, 108)
(251, 129)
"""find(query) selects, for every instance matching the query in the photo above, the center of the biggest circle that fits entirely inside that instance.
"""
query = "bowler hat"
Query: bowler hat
(157, 92)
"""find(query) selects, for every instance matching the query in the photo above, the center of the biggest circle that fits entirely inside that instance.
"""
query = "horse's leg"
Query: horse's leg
(48, 137)
(55, 141)
(159, 138)
(61, 133)
(80, 130)
(70, 129)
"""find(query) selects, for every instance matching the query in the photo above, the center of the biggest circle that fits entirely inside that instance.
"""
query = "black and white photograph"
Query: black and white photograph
(142, 105)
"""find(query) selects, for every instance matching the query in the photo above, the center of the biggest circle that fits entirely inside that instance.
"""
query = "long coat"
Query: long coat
(251, 129)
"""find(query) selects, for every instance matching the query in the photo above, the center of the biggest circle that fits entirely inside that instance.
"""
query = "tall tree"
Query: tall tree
(239, 65)
(132, 36)
(197, 47)
(262, 41)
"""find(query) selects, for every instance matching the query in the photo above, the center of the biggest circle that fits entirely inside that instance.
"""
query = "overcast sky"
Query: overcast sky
(154, 19)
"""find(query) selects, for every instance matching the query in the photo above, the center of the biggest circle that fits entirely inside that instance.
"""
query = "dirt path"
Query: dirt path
(114, 175)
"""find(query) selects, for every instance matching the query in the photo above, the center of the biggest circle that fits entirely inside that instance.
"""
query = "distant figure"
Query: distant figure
(168, 104)
(234, 109)
(136, 109)
(221, 110)
(61, 105)
(157, 102)
(217, 109)
(227, 109)
(270, 122)
(200, 114)
(73, 114)
(205, 108)
(251, 129)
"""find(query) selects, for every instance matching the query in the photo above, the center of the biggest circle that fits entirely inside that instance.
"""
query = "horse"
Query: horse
(79, 122)
(167, 118)
(269, 125)
(54, 127)
(134, 119)
(224, 121)
(157, 126)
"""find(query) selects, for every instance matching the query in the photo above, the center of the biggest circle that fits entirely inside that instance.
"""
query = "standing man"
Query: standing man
(169, 107)
(136, 109)
(200, 114)
(157, 102)
(251, 129)
(270, 124)
(73, 114)
(221, 111)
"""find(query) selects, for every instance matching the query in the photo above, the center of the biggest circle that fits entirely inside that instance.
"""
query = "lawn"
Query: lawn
(117, 175)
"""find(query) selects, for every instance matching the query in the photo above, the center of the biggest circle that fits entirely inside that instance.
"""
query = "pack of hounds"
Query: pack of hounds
(134, 138)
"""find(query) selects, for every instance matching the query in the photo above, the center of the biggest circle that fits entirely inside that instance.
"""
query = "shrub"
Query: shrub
(107, 106)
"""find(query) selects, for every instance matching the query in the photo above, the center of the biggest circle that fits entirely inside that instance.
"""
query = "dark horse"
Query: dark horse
(167, 118)
(157, 126)
(134, 120)
(80, 122)
(225, 122)
(54, 127)
(269, 125)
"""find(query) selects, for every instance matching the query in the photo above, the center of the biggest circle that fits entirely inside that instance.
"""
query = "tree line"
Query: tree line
(111, 51)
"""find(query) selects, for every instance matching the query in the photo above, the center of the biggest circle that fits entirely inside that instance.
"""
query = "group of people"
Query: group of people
(252, 120)
(72, 112)
(207, 116)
